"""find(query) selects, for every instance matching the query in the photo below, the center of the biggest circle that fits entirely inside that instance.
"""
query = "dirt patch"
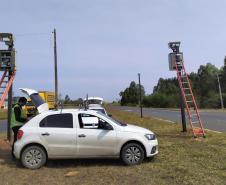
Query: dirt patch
(4, 144)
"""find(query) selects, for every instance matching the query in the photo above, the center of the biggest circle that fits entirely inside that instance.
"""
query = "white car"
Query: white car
(94, 100)
(72, 133)
(97, 107)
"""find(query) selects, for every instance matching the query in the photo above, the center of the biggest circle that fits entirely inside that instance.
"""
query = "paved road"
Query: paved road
(211, 120)
(3, 125)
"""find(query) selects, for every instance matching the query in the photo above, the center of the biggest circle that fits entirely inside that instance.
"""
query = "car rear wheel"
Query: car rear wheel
(33, 157)
(132, 154)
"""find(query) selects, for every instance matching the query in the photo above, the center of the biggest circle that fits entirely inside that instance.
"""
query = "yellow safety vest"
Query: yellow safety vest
(14, 122)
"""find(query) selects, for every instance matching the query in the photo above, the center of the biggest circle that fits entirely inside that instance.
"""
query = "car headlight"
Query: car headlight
(150, 136)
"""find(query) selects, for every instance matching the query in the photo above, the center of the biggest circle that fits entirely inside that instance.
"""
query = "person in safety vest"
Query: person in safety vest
(18, 118)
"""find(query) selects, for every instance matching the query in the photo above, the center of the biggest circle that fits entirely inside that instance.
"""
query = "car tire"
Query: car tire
(132, 154)
(33, 157)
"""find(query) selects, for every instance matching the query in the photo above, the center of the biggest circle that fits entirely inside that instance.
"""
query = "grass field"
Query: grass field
(3, 114)
(182, 160)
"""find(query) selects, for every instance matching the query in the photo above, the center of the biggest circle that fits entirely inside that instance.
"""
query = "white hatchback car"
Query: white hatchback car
(76, 133)
(97, 107)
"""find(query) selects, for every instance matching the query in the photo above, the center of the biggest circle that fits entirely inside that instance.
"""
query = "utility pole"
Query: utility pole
(7, 64)
(183, 118)
(140, 98)
(55, 69)
(175, 47)
(219, 86)
(10, 95)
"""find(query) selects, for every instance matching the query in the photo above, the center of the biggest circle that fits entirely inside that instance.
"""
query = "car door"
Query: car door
(92, 140)
(58, 134)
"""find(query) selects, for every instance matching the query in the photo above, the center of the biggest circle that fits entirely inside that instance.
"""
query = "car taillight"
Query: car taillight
(20, 134)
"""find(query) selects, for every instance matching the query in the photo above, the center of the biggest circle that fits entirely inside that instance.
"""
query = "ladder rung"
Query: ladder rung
(195, 122)
(187, 94)
(186, 88)
(189, 101)
(198, 131)
(193, 115)
(192, 112)
(184, 82)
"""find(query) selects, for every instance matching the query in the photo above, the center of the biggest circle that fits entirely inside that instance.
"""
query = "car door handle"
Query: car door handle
(82, 135)
(45, 134)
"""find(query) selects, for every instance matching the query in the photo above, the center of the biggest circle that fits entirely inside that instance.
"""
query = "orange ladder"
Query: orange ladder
(5, 85)
(189, 101)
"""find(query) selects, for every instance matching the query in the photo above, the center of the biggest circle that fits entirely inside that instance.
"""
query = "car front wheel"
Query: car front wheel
(33, 157)
(132, 154)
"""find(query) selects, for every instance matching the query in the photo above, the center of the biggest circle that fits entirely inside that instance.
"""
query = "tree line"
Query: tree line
(167, 93)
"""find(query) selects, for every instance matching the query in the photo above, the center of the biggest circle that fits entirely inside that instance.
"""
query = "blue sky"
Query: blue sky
(103, 44)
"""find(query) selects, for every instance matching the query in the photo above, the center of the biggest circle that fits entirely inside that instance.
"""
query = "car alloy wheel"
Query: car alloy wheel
(132, 154)
(33, 157)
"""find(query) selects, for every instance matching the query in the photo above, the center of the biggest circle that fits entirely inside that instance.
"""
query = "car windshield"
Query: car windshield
(116, 122)
(99, 110)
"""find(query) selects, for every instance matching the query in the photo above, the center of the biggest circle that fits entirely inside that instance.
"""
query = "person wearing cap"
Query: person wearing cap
(18, 118)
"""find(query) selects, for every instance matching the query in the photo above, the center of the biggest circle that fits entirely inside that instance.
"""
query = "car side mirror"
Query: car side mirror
(108, 127)
(109, 115)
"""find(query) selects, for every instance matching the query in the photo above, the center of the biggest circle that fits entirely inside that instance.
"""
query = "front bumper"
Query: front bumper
(152, 148)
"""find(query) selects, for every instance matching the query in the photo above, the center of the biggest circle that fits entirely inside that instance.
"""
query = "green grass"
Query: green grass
(3, 114)
(181, 160)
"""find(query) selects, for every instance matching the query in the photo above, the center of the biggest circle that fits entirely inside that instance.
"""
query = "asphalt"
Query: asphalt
(211, 120)
(3, 125)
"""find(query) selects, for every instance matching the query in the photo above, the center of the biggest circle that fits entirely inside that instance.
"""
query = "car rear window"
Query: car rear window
(36, 99)
(58, 121)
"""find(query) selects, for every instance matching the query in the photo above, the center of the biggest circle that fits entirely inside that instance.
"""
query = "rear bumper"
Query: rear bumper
(17, 150)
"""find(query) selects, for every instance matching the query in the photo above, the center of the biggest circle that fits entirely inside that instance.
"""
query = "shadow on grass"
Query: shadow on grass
(7, 160)
(61, 163)
(65, 163)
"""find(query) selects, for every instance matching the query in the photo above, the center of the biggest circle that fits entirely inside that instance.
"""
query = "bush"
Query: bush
(161, 100)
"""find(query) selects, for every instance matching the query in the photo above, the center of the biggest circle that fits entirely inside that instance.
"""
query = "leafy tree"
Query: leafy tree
(208, 85)
(167, 86)
(130, 96)
(167, 92)
(67, 99)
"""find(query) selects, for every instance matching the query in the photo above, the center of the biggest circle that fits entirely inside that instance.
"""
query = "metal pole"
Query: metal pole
(140, 98)
(10, 94)
(183, 118)
(219, 86)
(55, 70)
